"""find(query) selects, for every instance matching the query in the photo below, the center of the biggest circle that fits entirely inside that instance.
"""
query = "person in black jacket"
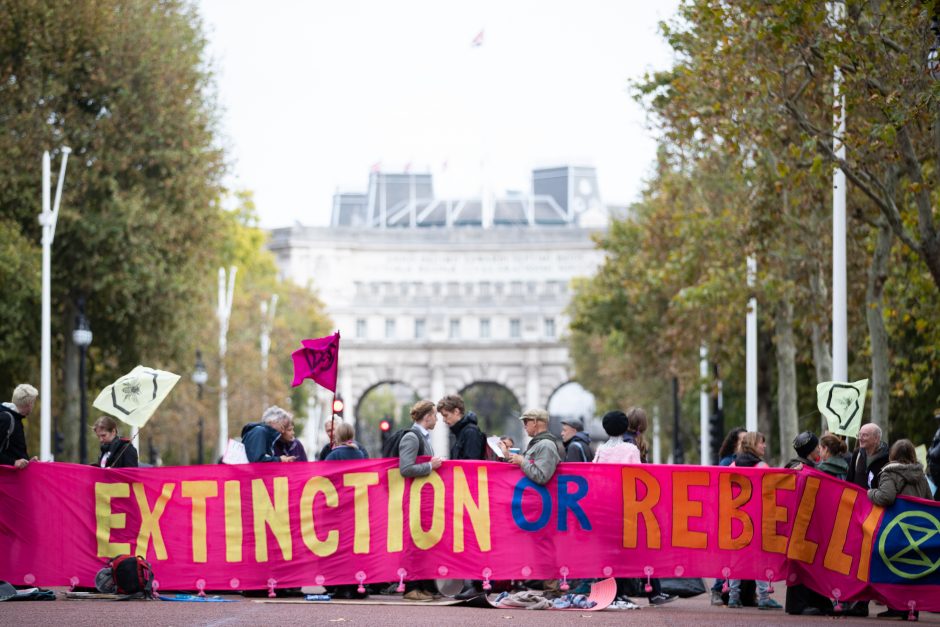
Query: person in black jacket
(259, 437)
(116, 452)
(12, 435)
(468, 439)
(869, 458)
(577, 442)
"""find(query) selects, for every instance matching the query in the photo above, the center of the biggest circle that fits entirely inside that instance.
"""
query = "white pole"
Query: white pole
(703, 406)
(224, 311)
(840, 367)
(751, 359)
(48, 219)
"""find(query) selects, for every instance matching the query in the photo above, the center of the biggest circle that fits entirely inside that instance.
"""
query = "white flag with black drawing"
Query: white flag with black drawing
(842, 405)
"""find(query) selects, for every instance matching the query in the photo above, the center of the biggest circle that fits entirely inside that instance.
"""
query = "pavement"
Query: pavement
(378, 610)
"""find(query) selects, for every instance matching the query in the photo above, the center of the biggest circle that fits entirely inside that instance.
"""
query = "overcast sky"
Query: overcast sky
(315, 93)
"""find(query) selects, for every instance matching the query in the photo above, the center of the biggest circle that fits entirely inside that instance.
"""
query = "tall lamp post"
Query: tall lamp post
(200, 376)
(81, 336)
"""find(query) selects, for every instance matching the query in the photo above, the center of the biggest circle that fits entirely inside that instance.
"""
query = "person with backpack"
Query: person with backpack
(577, 442)
(12, 434)
(116, 452)
(414, 443)
(469, 441)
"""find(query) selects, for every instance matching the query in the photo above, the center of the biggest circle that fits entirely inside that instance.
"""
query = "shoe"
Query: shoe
(735, 604)
(893, 614)
(769, 604)
(858, 608)
(418, 595)
(468, 592)
(717, 598)
(811, 611)
(662, 599)
(624, 605)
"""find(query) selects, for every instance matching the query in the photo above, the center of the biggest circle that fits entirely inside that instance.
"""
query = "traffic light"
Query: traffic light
(338, 405)
(385, 426)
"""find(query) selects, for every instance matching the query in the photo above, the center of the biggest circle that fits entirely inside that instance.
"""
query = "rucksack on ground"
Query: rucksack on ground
(126, 574)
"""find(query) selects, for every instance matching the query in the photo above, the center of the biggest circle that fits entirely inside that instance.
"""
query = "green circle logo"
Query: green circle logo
(916, 529)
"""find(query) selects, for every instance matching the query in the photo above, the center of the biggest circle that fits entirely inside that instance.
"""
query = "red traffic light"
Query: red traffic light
(338, 406)
(385, 425)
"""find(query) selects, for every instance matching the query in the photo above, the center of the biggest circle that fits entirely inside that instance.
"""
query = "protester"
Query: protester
(259, 437)
(901, 476)
(116, 452)
(544, 452)
(12, 434)
(346, 447)
(288, 445)
(751, 455)
(329, 426)
(933, 461)
(414, 443)
(806, 445)
(616, 450)
(869, 458)
(637, 423)
(577, 442)
(832, 456)
(469, 442)
(729, 448)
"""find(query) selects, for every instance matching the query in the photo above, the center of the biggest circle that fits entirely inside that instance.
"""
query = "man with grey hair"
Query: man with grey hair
(544, 452)
(12, 434)
(259, 437)
(869, 458)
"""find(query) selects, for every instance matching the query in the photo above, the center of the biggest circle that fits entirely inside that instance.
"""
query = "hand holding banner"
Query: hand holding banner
(317, 360)
(842, 405)
(133, 398)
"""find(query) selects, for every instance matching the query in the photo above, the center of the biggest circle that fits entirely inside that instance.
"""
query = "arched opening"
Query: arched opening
(389, 400)
(571, 400)
(496, 407)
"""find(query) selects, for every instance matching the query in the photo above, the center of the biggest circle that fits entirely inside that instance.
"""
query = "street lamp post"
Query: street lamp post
(82, 336)
(200, 376)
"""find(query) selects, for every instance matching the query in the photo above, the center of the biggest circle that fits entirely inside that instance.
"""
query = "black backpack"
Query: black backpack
(126, 574)
(7, 422)
(391, 447)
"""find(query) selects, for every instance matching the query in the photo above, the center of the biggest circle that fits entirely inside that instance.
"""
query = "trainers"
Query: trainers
(768, 604)
(716, 598)
(662, 599)
(735, 604)
(418, 595)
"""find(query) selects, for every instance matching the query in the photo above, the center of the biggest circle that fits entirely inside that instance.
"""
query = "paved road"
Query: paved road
(243, 611)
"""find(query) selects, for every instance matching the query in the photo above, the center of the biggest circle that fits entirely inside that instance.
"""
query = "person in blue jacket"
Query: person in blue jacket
(259, 437)
(346, 447)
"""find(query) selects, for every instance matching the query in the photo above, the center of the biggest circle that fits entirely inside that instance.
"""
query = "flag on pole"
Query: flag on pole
(376, 167)
(317, 360)
(478, 40)
(134, 398)
(842, 404)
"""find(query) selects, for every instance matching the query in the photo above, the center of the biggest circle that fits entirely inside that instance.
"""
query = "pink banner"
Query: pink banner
(239, 527)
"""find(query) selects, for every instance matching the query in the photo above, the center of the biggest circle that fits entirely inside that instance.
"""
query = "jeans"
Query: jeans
(734, 590)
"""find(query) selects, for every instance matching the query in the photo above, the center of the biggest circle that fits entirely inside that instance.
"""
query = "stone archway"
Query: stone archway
(496, 406)
(391, 400)
(571, 400)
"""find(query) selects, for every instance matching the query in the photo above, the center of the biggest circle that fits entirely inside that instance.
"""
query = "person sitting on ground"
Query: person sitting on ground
(577, 442)
(544, 452)
(616, 450)
(346, 447)
(901, 476)
(415, 443)
(832, 456)
(116, 452)
(729, 448)
(806, 445)
(750, 455)
(12, 434)
(259, 437)
(288, 445)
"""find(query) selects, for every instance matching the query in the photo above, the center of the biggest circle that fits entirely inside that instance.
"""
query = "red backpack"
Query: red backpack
(129, 574)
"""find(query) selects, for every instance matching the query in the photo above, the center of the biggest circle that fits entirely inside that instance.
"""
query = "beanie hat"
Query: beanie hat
(615, 422)
(805, 443)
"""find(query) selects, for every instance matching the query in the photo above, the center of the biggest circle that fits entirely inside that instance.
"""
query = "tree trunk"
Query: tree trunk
(786, 376)
(878, 335)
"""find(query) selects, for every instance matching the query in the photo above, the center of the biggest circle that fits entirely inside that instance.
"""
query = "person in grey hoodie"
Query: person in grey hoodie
(544, 452)
(577, 442)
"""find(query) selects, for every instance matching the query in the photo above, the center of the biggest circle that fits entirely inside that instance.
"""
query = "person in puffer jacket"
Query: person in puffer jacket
(902, 476)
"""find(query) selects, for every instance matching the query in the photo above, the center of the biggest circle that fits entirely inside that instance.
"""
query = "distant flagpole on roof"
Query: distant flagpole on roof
(377, 166)
(478, 40)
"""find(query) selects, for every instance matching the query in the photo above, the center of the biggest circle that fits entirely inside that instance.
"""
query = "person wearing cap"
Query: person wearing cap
(577, 442)
(806, 445)
(544, 452)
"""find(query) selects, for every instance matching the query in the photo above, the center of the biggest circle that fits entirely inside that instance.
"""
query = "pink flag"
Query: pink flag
(317, 360)
(478, 40)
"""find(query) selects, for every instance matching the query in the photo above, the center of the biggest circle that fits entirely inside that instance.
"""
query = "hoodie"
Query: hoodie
(578, 448)
(835, 466)
(259, 440)
(899, 479)
(468, 439)
(14, 447)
